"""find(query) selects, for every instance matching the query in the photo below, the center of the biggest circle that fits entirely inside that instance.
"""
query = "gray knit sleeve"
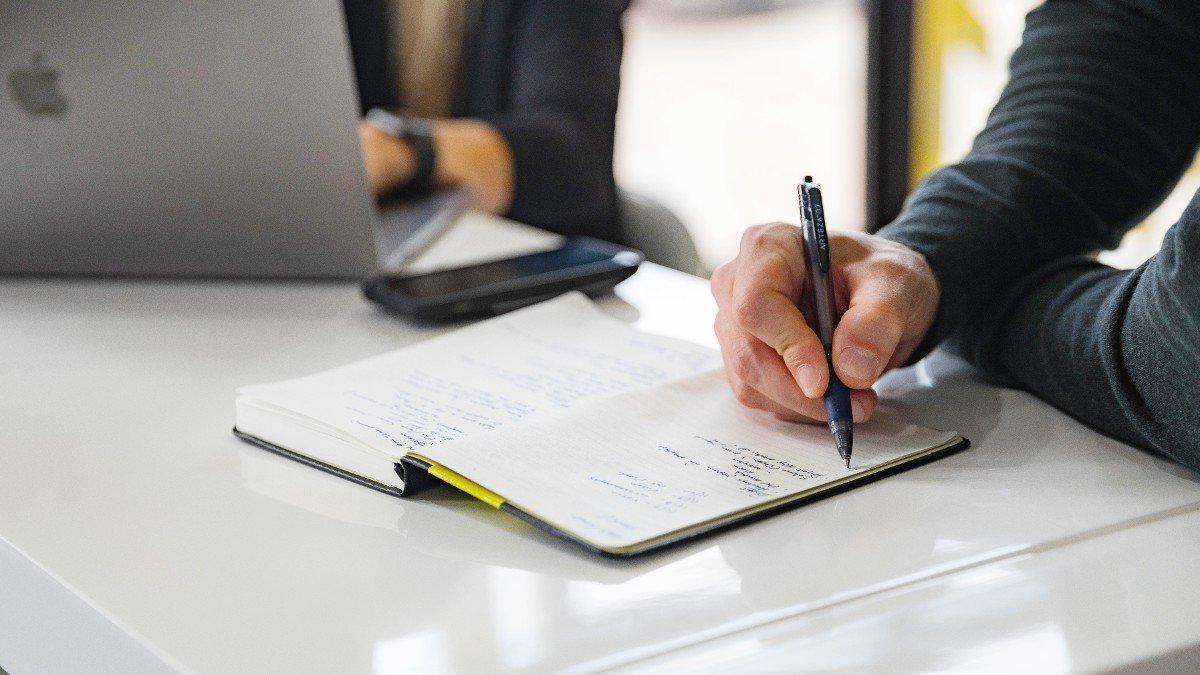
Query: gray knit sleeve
(1099, 119)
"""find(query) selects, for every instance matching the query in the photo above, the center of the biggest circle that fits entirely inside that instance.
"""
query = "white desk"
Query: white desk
(138, 535)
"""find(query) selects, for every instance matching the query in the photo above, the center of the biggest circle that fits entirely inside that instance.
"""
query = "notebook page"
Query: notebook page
(641, 465)
(493, 374)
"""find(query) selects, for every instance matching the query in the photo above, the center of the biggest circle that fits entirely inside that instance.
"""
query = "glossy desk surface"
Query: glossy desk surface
(137, 534)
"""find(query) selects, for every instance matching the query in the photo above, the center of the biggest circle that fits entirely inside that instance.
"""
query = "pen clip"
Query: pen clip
(812, 211)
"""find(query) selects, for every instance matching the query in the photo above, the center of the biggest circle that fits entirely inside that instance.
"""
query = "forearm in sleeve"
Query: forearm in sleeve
(1100, 117)
(1119, 349)
(562, 115)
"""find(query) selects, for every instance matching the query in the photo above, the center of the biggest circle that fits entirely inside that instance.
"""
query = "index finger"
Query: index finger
(769, 279)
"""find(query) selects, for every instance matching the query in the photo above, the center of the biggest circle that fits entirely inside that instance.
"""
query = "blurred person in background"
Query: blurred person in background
(515, 99)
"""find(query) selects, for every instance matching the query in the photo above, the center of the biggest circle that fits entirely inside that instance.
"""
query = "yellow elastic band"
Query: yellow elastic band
(466, 485)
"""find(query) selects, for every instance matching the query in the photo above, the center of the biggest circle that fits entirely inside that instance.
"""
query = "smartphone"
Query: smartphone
(580, 264)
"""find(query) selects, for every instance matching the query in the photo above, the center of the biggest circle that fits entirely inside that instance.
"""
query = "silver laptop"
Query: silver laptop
(208, 138)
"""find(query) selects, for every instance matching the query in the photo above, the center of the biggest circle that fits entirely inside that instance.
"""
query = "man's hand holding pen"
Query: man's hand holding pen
(887, 296)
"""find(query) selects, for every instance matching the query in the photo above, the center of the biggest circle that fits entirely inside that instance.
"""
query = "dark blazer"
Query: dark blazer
(546, 74)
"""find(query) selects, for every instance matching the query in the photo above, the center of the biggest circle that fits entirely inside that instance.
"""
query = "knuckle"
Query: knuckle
(849, 246)
(788, 260)
(898, 267)
(749, 235)
(766, 234)
(794, 357)
(721, 276)
(896, 260)
(743, 362)
(760, 234)
(747, 310)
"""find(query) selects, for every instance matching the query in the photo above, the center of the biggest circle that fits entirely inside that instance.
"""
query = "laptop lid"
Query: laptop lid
(196, 139)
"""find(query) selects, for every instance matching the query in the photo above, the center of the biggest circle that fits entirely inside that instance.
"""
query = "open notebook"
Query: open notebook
(615, 439)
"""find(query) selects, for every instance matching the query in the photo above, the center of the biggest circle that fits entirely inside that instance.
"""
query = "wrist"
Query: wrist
(473, 153)
(417, 134)
(927, 311)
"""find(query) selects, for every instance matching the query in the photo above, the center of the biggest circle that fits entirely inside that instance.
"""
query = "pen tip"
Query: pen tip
(843, 438)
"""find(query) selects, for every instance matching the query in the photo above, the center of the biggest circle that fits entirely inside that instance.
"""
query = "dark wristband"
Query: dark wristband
(418, 133)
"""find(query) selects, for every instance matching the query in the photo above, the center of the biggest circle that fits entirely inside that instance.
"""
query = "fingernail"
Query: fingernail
(807, 376)
(858, 363)
(857, 412)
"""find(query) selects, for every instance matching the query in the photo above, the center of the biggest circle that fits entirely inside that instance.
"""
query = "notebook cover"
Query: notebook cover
(413, 473)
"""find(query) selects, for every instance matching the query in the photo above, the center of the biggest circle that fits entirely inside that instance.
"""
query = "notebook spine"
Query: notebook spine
(414, 475)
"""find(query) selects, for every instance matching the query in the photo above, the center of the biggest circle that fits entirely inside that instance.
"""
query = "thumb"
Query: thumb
(868, 334)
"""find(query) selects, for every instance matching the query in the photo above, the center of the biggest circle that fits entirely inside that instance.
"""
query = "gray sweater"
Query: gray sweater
(1100, 118)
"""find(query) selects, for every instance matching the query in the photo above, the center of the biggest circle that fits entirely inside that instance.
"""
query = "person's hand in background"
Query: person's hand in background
(390, 161)
(887, 296)
(469, 152)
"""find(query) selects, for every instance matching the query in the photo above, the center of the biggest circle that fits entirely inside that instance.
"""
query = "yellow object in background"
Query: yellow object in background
(938, 26)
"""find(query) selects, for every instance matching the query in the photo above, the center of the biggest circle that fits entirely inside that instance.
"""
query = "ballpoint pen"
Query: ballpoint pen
(816, 245)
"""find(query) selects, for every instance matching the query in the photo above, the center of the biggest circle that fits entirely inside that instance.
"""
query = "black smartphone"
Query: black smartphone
(580, 264)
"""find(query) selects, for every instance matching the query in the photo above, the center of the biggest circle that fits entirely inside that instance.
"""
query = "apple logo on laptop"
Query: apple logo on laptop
(36, 89)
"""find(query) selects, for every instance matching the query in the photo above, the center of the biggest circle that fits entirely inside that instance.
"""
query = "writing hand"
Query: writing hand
(887, 295)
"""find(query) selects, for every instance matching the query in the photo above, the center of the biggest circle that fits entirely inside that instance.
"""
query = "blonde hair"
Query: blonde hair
(427, 41)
